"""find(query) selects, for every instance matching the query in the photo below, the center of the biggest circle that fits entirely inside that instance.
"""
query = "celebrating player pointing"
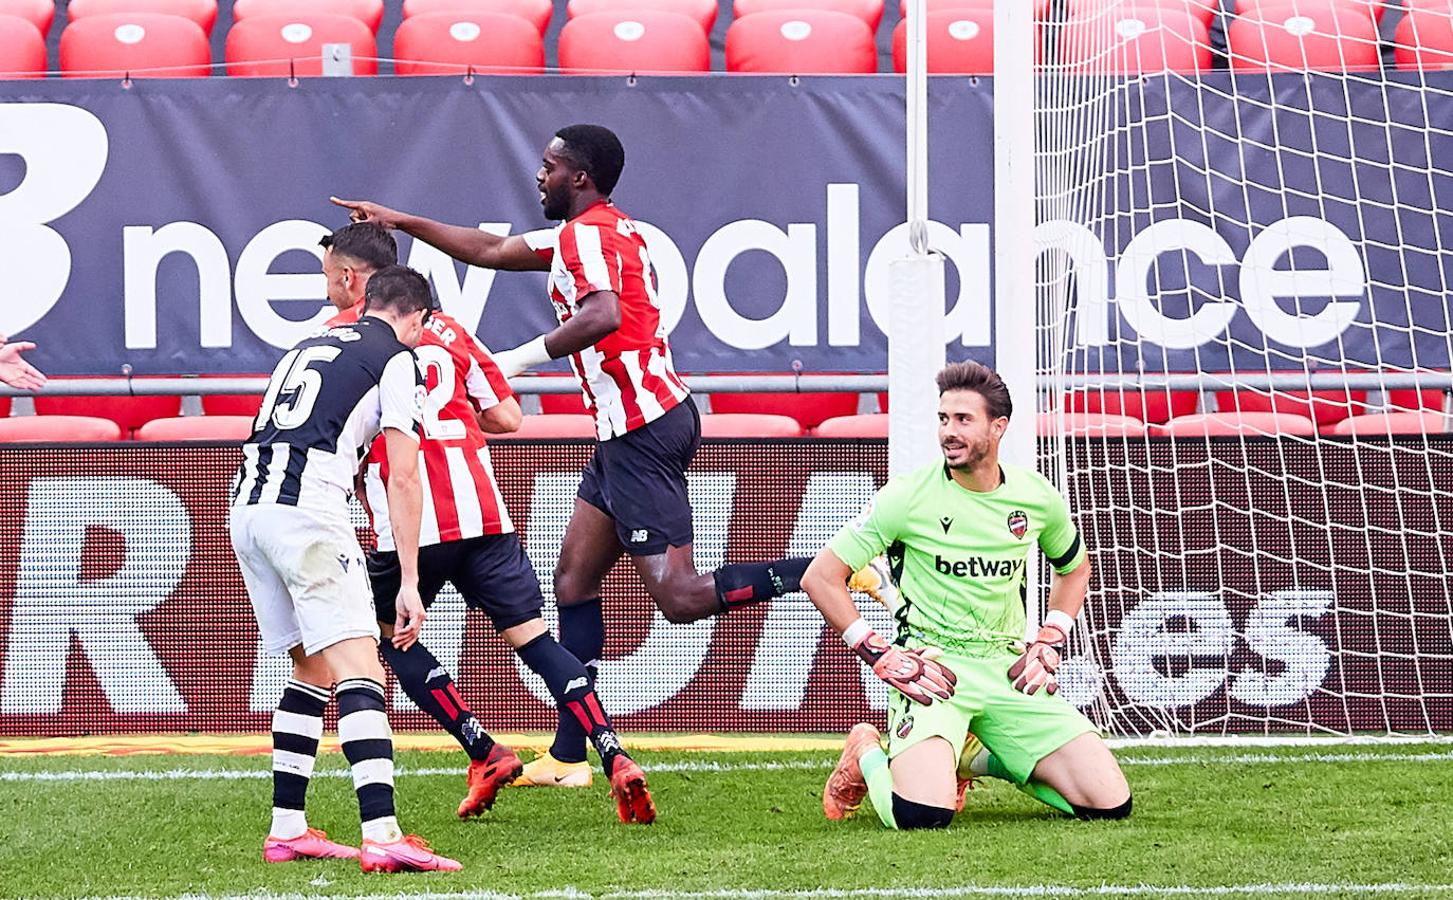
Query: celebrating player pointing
(958, 535)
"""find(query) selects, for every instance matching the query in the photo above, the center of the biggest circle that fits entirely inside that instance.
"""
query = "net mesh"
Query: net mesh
(1244, 347)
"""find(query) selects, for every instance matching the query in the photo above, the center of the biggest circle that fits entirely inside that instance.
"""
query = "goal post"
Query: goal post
(1242, 216)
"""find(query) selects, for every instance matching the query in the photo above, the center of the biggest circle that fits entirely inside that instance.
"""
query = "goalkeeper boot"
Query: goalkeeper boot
(547, 771)
(628, 787)
(846, 787)
(486, 777)
(965, 776)
(410, 853)
(311, 844)
(875, 581)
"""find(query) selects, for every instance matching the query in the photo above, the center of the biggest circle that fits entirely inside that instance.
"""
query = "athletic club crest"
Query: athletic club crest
(905, 727)
(1018, 523)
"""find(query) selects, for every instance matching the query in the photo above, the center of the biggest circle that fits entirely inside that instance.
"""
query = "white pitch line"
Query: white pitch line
(1033, 890)
(179, 774)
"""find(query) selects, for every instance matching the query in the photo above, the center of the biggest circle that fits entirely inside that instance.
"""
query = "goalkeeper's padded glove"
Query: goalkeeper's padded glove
(915, 673)
(1036, 666)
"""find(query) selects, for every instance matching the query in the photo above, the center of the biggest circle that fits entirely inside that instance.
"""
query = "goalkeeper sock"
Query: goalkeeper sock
(571, 687)
(879, 777)
(582, 632)
(742, 584)
(296, 727)
(1036, 789)
(431, 688)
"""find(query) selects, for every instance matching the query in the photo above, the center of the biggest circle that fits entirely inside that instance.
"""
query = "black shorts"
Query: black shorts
(491, 572)
(639, 479)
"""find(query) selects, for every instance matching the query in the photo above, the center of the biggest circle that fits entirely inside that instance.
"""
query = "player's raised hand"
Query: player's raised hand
(366, 211)
(410, 617)
(1036, 666)
(915, 673)
(14, 370)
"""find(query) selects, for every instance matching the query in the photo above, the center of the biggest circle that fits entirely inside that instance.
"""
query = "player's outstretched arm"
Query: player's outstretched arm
(14, 370)
(913, 672)
(596, 316)
(468, 245)
(405, 508)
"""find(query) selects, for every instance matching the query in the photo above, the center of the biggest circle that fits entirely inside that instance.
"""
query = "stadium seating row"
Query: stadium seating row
(168, 38)
(67, 428)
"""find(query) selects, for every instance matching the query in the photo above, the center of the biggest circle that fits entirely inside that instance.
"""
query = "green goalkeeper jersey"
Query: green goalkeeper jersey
(959, 557)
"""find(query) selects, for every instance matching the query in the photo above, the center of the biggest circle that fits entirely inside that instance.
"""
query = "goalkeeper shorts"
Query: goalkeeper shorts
(1020, 729)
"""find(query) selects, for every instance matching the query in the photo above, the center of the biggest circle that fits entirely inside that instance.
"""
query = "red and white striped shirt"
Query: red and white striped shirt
(461, 499)
(627, 377)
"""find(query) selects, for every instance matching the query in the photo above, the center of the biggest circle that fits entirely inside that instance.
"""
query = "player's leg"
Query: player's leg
(587, 553)
(425, 680)
(297, 721)
(325, 574)
(1021, 732)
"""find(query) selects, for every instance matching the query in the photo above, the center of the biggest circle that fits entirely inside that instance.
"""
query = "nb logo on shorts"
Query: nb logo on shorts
(574, 683)
(640, 536)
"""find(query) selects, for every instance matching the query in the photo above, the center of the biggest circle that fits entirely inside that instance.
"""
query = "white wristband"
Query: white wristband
(1061, 620)
(854, 633)
(533, 353)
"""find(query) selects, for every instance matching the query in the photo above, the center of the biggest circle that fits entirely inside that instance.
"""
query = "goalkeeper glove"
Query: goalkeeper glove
(1036, 666)
(915, 673)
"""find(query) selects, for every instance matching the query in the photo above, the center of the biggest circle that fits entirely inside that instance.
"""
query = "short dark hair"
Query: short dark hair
(397, 288)
(366, 242)
(977, 377)
(596, 151)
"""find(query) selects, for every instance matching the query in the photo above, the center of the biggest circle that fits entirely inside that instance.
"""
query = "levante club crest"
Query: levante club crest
(905, 727)
(1018, 523)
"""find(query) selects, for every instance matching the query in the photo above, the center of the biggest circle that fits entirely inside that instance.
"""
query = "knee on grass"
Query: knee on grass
(910, 815)
(1089, 813)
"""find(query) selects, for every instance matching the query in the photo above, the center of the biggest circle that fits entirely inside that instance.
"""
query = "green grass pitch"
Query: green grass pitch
(1336, 821)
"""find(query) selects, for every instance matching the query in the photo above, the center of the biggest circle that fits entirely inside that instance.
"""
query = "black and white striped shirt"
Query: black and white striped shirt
(328, 398)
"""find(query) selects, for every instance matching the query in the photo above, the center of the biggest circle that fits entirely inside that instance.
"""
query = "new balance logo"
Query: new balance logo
(435, 673)
(640, 536)
(946, 521)
(574, 683)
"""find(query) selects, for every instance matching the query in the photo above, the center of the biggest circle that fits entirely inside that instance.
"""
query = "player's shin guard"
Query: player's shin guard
(432, 689)
(582, 632)
(742, 584)
(572, 689)
(363, 730)
(296, 727)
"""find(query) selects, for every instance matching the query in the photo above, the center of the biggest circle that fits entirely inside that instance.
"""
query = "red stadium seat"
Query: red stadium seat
(4, 407)
(1409, 399)
(1079, 424)
(39, 13)
(561, 426)
(1203, 10)
(1424, 39)
(1245, 424)
(960, 42)
(1041, 7)
(801, 42)
(1321, 35)
(873, 425)
(1322, 407)
(280, 46)
(748, 425)
(1136, 39)
(231, 404)
(129, 413)
(571, 403)
(703, 11)
(536, 12)
(57, 429)
(1374, 8)
(139, 45)
(203, 12)
(453, 43)
(1151, 407)
(22, 49)
(810, 410)
(369, 12)
(870, 12)
(197, 428)
(641, 41)
(1383, 424)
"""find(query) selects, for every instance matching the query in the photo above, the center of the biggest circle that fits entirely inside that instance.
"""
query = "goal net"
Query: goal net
(1243, 215)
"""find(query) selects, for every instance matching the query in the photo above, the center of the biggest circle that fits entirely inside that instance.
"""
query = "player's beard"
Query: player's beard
(557, 205)
(975, 452)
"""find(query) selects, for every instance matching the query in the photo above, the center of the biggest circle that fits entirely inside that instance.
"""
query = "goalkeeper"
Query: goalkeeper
(957, 536)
